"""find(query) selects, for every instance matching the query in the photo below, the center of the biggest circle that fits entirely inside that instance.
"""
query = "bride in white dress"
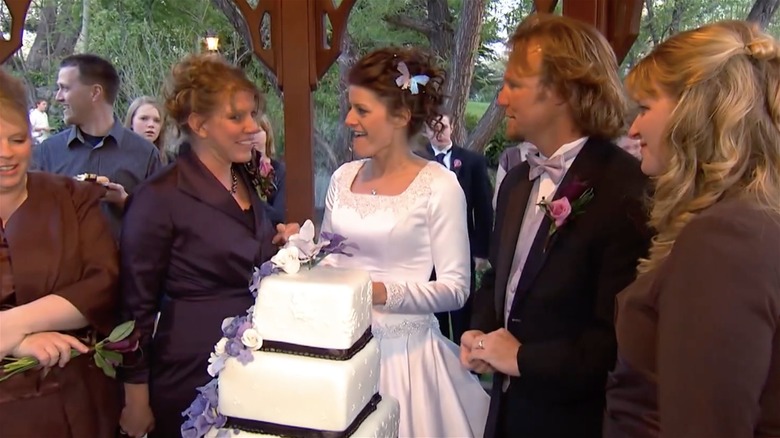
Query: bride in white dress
(408, 216)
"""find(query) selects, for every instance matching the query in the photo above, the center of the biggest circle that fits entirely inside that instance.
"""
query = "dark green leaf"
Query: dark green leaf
(105, 366)
(121, 331)
(112, 356)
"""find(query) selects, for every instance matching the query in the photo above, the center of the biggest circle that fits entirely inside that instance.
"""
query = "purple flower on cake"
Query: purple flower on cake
(336, 244)
(203, 414)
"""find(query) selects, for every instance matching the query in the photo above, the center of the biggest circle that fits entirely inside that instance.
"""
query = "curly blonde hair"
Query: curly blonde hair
(579, 64)
(723, 136)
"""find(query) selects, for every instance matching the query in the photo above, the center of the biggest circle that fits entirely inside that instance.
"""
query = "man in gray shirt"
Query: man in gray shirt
(96, 143)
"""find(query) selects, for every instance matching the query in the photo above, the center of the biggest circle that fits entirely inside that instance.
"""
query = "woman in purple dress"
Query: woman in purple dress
(192, 234)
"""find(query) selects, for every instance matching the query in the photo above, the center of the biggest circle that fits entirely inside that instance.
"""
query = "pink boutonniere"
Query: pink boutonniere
(570, 205)
(456, 164)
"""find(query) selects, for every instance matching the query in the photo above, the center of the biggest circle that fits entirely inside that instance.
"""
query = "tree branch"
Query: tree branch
(763, 11)
(406, 22)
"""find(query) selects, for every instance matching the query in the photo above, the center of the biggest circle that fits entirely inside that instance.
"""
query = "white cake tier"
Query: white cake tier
(321, 307)
(382, 423)
(300, 391)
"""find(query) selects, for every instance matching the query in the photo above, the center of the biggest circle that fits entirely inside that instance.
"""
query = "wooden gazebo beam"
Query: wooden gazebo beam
(618, 20)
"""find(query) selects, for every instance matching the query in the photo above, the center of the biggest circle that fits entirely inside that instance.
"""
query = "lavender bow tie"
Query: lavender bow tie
(554, 167)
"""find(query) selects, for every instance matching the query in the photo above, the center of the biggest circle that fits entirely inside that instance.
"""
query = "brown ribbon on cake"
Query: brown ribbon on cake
(267, 428)
(316, 352)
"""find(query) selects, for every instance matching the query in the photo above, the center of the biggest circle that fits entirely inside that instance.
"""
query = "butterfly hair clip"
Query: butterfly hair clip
(409, 82)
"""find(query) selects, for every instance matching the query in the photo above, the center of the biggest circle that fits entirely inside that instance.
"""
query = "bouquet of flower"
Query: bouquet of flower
(107, 353)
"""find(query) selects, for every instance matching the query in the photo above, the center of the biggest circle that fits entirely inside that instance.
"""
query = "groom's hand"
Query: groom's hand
(499, 349)
(468, 342)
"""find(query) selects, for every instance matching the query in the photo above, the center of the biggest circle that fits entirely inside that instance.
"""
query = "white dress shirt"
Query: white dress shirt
(545, 188)
(447, 151)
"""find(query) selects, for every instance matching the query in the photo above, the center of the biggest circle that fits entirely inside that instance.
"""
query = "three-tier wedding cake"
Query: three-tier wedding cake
(302, 362)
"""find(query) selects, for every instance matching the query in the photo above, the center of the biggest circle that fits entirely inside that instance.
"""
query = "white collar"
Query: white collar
(445, 150)
(566, 147)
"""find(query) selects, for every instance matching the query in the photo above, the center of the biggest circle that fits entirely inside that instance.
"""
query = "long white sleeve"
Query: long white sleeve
(449, 241)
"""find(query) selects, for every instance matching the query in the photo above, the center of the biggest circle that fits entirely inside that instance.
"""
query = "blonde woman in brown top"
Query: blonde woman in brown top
(699, 331)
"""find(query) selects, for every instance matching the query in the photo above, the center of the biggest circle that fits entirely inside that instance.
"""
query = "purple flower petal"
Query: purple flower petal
(220, 421)
(242, 328)
(210, 392)
(202, 426)
(189, 431)
(245, 356)
(197, 407)
(267, 269)
(234, 347)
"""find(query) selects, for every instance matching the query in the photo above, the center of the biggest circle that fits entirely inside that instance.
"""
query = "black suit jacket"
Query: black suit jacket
(473, 178)
(563, 309)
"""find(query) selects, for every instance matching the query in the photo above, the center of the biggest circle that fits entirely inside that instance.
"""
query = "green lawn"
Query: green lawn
(477, 108)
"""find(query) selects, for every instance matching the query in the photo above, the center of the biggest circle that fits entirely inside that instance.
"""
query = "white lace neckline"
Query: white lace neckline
(366, 204)
(351, 180)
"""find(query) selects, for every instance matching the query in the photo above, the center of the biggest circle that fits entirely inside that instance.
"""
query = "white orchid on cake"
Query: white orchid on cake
(239, 336)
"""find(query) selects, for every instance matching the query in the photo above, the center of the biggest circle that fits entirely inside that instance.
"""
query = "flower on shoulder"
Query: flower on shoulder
(262, 174)
(574, 197)
(457, 164)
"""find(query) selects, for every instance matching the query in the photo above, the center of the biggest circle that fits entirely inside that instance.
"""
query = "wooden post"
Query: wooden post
(300, 54)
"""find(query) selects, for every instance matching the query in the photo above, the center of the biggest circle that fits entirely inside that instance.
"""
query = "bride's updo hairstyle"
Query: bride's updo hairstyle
(723, 137)
(396, 75)
(201, 84)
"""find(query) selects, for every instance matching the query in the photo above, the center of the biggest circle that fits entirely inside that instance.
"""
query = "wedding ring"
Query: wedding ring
(481, 344)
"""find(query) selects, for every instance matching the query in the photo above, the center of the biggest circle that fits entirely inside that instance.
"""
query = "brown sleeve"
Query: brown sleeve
(96, 294)
(716, 324)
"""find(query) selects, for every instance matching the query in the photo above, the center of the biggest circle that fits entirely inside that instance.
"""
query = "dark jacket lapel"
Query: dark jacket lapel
(456, 155)
(197, 181)
(586, 169)
(512, 202)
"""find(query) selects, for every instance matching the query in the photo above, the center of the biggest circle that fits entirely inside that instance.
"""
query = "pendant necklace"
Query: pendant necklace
(234, 183)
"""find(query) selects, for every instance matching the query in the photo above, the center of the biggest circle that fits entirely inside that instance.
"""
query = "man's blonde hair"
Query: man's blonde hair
(579, 64)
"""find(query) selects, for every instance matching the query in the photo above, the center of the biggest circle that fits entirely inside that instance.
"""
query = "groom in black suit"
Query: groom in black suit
(471, 170)
(543, 317)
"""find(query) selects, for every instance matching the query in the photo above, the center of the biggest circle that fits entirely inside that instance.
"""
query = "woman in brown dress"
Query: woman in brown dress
(58, 290)
(699, 331)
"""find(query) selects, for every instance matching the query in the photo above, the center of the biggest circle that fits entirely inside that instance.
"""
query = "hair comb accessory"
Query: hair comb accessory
(408, 82)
